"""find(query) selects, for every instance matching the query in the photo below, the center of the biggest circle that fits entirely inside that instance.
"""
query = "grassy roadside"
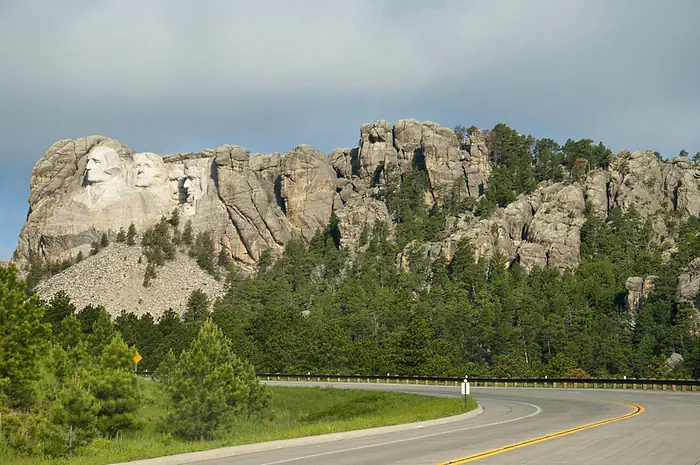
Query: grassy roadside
(294, 412)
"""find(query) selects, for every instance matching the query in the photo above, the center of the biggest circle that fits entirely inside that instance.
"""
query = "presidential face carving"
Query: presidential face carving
(192, 185)
(146, 169)
(103, 164)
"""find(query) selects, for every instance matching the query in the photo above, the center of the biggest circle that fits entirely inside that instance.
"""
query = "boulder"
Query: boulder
(674, 361)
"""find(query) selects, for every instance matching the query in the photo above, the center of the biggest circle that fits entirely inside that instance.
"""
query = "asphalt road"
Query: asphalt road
(666, 430)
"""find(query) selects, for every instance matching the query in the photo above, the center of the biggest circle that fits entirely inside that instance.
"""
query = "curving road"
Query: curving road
(664, 429)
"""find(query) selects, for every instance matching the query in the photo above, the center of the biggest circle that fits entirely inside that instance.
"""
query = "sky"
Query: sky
(173, 75)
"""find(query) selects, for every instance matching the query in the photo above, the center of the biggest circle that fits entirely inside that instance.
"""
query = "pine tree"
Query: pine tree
(223, 259)
(149, 274)
(74, 415)
(88, 316)
(95, 248)
(121, 235)
(203, 252)
(57, 310)
(174, 219)
(22, 339)
(70, 334)
(115, 387)
(80, 257)
(36, 272)
(131, 235)
(164, 372)
(104, 240)
(210, 386)
(102, 333)
(187, 233)
(197, 309)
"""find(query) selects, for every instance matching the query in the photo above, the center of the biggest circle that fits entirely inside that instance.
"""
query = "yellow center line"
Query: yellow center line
(637, 410)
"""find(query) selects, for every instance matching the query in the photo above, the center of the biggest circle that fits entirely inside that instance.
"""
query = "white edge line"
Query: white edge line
(537, 411)
(267, 446)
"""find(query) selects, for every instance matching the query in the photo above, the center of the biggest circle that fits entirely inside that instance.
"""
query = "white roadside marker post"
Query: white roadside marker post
(465, 390)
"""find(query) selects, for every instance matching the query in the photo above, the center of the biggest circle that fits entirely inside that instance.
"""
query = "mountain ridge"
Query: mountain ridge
(256, 203)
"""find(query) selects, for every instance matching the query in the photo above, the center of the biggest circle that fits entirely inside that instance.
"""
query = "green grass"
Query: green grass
(294, 412)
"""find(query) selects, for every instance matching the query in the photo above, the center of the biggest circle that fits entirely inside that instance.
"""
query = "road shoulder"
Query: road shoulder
(233, 451)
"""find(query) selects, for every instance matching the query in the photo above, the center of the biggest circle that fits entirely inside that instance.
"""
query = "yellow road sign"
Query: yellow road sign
(136, 358)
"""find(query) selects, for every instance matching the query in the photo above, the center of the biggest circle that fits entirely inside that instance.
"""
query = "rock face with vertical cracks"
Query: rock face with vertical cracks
(248, 188)
(256, 202)
(308, 185)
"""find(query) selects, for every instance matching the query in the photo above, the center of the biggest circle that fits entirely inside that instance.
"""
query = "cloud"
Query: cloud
(166, 66)
(177, 75)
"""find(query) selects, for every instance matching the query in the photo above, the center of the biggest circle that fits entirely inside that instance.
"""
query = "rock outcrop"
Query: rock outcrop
(251, 202)
(307, 189)
(674, 361)
(638, 289)
(256, 202)
(249, 191)
(361, 215)
(689, 282)
(83, 188)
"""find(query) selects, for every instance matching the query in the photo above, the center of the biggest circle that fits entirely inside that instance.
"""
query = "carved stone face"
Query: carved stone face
(145, 170)
(192, 185)
(103, 164)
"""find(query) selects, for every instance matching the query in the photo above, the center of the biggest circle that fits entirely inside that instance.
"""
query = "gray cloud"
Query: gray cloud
(181, 75)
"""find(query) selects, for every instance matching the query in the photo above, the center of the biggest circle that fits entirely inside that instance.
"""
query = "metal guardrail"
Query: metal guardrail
(610, 383)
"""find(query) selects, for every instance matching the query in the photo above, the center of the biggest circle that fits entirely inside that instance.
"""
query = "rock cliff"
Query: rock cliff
(255, 202)
(251, 202)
